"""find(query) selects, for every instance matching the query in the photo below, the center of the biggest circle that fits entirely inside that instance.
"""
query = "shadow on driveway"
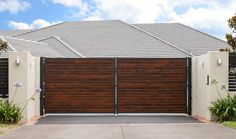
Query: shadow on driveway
(116, 120)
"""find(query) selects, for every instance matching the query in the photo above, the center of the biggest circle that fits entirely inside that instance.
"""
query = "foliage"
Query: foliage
(231, 39)
(232, 23)
(9, 113)
(223, 108)
(231, 124)
(224, 49)
(3, 45)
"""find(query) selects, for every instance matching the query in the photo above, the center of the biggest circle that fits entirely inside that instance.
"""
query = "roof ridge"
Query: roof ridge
(148, 33)
(94, 20)
(154, 23)
(19, 34)
(65, 44)
(201, 32)
(38, 29)
(21, 39)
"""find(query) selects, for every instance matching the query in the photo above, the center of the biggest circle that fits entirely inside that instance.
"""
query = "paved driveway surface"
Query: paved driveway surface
(116, 120)
(157, 130)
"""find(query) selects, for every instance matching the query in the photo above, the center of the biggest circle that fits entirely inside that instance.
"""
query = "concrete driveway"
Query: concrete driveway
(116, 120)
(123, 131)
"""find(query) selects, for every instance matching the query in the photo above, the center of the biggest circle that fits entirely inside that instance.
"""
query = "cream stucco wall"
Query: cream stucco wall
(202, 93)
(27, 74)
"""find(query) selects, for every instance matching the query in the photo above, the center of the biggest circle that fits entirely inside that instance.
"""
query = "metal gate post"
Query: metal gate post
(42, 83)
(116, 87)
(189, 85)
(4, 78)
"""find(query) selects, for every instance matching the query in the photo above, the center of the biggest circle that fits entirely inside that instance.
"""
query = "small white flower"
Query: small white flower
(214, 81)
(38, 90)
(18, 84)
(223, 87)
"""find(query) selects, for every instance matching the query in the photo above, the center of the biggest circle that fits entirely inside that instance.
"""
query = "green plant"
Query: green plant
(3, 45)
(231, 124)
(9, 113)
(231, 39)
(223, 108)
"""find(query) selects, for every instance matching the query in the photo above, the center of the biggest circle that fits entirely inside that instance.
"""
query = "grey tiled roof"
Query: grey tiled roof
(35, 48)
(55, 44)
(3, 54)
(12, 32)
(115, 39)
(184, 37)
(106, 39)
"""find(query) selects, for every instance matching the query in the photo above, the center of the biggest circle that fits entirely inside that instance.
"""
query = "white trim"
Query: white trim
(69, 47)
(170, 44)
(12, 48)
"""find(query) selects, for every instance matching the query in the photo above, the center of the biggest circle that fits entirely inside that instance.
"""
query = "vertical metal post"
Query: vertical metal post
(116, 87)
(189, 85)
(42, 83)
(4, 81)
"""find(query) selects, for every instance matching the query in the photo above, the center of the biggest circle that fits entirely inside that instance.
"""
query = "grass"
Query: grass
(5, 128)
(231, 124)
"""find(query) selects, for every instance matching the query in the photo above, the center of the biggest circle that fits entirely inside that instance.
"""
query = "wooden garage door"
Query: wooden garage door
(79, 85)
(152, 85)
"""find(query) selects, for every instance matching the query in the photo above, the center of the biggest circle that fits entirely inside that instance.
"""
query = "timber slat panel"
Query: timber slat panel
(79, 85)
(87, 85)
(152, 85)
(4, 77)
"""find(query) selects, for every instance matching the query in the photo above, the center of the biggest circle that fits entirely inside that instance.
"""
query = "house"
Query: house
(114, 67)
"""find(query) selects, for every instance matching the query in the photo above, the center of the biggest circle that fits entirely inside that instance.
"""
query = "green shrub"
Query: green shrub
(224, 108)
(9, 113)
